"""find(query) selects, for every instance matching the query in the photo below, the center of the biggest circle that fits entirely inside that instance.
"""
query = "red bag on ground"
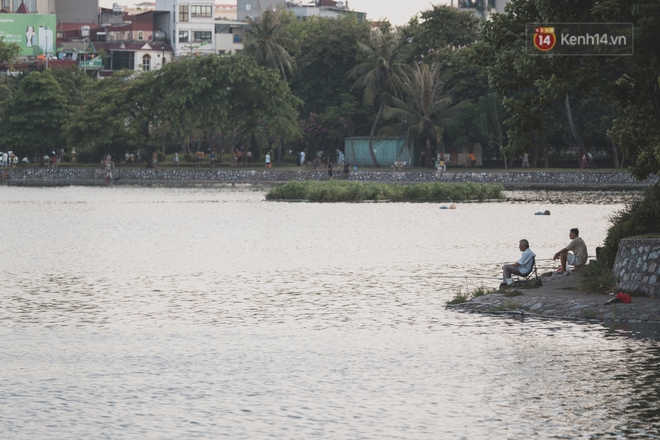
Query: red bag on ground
(623, 297)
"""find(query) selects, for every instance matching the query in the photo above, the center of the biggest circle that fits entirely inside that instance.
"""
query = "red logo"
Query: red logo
(544, 38)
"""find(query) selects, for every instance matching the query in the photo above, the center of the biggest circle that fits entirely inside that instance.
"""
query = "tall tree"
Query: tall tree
(426, 110)
(328, 51)
(380, 74)
(269, 41)
(35, 115)
(8, 51)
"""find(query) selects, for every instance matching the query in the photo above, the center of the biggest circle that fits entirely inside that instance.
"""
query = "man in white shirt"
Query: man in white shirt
(521, 267)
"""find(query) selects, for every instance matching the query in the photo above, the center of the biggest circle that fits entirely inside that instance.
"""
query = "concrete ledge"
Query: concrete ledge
(557, 299)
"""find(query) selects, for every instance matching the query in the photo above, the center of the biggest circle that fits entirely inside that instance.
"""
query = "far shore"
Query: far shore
(186, 176)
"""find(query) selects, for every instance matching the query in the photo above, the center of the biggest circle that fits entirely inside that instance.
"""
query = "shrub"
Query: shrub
(336, 191)
(641, 217)
(596, 277)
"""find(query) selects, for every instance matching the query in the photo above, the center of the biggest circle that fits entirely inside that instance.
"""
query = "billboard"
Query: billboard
(34, 33)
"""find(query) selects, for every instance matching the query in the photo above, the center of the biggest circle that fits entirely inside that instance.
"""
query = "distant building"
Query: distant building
(315, 8)
(489, 7)
(226, 11)
(77, 11)
(229, 36)
(32, 6)
(190, 26)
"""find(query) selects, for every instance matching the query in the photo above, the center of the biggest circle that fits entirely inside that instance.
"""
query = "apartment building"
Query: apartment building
(190, 25)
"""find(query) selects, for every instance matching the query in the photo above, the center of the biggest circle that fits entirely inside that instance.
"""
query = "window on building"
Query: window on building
(140, 35)
(183, 12)
(183, 36)
(248, 6)
(201, 11)
(202, 36)
(123, 60)
(30, 4)
(146, 62)
(238, 38)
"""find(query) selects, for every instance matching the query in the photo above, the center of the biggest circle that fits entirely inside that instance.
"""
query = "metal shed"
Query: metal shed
(387, 150)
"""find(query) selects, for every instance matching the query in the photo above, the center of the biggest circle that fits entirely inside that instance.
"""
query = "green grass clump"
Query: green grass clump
(459, 297)
(342, 191)
(596, 277)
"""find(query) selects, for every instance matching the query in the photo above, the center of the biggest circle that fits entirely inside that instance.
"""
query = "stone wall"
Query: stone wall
(637, 265)
(77, 176)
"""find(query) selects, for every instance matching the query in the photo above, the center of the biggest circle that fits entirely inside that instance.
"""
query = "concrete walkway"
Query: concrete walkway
(559, 299)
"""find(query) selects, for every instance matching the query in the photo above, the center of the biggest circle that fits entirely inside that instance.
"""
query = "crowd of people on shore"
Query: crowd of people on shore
(8, 159)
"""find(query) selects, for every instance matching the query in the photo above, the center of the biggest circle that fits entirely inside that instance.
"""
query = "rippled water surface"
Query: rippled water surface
(183, 313)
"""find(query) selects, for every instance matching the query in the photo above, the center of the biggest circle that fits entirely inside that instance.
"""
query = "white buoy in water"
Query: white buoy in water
(452, 206)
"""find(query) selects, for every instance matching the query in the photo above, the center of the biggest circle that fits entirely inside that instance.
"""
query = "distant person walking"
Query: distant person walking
(302, 158)
(212, 157)
(583, 163)
(525, 162)
(175, 161)
(154, 159)
(199, 157)
(267, 163)
(346, 169)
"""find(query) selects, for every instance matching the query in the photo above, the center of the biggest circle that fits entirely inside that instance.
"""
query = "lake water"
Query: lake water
(206, 312)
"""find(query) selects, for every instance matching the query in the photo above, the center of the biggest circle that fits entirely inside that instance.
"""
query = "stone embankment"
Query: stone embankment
(558, 299)
(637, 265)
(184, 176)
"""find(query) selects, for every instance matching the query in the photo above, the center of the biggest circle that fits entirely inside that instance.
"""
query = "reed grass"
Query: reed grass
(337, 191)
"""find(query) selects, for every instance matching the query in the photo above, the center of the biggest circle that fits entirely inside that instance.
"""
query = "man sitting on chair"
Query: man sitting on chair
(521, 267)
(579, 256)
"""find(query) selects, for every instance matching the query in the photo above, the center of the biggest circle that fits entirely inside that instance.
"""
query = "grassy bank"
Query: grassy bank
(336, 191)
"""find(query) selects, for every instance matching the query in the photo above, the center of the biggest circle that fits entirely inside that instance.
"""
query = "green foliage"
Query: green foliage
(460, 297)
(338, 191)
(209, 99)
(426, 110)
(531, 86)
(270, 43)
(380, 75)
(596, 277)
(481, 291)
(34, 115)
(328, 51)
(439, 28)
(639, 218)
(8, 51)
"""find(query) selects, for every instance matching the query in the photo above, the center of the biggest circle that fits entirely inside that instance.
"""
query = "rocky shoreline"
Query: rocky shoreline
(187, 177)
(558, 299)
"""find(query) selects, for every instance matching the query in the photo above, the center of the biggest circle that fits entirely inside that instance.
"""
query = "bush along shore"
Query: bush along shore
(334, 191)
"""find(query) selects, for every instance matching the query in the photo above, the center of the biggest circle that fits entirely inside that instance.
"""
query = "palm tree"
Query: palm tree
(425, 112)
(269, 42)
(380, 74)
